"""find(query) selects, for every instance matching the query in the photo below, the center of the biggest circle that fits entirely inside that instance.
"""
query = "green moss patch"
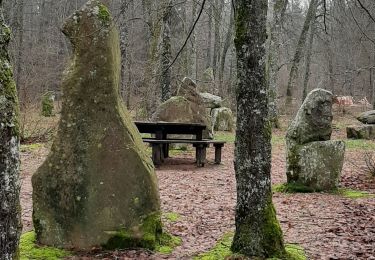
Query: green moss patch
(354, 194)
(222, 251)
(104, 14)
(291, 188)
(30, 250)
(172, 216)
(225, 136)
(30, 147)
(146, 235)
(360, 144)
(167, 243)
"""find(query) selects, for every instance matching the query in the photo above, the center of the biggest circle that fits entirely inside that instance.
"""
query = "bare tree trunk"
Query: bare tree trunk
(19, 31)
(10, 209)
(293, 76)
(278, 15)
(218, 11)
(227, 43)
(209, 36)
(165, 57)
(124, 48)
(258, 233)
(308, 60)
(193, 48)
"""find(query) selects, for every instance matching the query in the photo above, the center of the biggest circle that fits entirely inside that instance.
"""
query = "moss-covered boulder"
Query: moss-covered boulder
(319, 164)
(305, 144)
(361, 132)
(97, 185)
(222, 119)
(187, 107)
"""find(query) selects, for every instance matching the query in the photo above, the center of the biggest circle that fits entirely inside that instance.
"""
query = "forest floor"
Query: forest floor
(198, 203)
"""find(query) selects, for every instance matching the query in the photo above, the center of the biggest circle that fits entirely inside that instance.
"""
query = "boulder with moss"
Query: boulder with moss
(186, 107)
(97, 185)
(312, 160)
(222, 119)
(361, 132)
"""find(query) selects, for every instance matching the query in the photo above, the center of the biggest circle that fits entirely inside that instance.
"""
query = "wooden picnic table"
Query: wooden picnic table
(160, 144)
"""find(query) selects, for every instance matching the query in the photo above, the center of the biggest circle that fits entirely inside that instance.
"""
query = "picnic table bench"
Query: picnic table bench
(160, 144)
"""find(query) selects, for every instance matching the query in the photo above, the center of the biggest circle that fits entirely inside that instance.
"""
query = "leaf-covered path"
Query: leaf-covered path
(199, 207)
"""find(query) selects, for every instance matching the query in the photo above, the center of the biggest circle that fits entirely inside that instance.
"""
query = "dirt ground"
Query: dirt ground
(328, 226)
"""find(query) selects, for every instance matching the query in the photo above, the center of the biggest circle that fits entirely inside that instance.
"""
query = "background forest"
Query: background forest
(327, 44)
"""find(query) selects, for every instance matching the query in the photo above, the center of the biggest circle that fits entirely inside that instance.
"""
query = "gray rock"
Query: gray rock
(210, 100)
(313, 121)
(361, 132)
(98, 182)
(182, 110)
(222, 119)
(319, 164)
(312, 124)
(367, 117)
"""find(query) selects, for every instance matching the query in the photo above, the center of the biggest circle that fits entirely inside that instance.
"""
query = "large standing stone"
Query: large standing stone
(97, 185)
(187, 107)
(319, 164)
(222, 119)
(311, 161)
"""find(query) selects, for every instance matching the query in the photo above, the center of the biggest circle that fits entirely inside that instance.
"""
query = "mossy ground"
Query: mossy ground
(230, 137)
(30, 250)
(167, 243)
(354, 194)
(363, 145)
(222, 251)
(172, 216)
(291, 188)
(30, 147)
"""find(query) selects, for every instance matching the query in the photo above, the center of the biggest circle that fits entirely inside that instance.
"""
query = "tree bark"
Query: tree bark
(278, 15)
(308, 60)
(10, 209)
(227, 44)
(165, 58)
(293, 76)
(258, 233)
(209, 36)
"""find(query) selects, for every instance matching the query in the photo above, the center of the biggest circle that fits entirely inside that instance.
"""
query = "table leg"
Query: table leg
(201, 155)
(156, 154)
(218, 153)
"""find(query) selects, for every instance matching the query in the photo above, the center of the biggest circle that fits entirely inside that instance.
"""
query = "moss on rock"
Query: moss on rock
(97, 182)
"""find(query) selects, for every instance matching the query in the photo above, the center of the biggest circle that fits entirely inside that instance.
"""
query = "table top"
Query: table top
(170, 127)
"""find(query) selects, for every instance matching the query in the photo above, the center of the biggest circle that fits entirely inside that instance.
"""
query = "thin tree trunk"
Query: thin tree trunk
(308, 60)
(258, 233)
(218, 10)
(227, 43)
(10, 209)
(165, 58)
(193, 38)
(209, 36)
(293, 76)
(19, 30)
(278, 9)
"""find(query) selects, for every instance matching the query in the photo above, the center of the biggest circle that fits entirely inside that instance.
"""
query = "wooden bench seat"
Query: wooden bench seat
(160, 149)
